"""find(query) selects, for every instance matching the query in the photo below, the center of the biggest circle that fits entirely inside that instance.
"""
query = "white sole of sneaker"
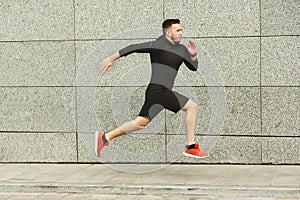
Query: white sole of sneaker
(192, 156)
(96, 142)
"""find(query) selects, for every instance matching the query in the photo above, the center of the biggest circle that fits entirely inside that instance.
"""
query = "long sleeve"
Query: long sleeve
(136, 48)
(192, 65)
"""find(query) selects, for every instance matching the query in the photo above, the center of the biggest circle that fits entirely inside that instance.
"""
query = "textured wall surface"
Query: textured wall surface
(254, 45)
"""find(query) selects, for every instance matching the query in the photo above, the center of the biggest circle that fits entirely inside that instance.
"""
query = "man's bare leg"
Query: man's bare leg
(192, 148)
(128, 127)
(190, 109)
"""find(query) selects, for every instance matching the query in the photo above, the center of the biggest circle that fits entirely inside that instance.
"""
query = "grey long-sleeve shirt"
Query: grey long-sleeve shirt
(165, 57)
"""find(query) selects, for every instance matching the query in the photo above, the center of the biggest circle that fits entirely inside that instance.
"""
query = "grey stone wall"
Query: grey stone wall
(254, 44)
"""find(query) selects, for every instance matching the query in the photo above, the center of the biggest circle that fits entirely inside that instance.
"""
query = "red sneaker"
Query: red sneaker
(195, 152)
(99, 144)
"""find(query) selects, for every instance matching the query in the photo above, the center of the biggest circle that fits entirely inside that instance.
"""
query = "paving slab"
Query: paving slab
(276, 181)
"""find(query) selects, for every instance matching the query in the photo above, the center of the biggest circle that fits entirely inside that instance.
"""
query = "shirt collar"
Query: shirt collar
(163, 38)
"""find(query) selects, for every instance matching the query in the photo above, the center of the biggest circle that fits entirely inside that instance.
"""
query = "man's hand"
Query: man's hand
(192, 48)
(106, 64)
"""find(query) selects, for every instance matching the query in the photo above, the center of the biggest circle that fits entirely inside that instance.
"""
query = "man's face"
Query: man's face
(175, 33)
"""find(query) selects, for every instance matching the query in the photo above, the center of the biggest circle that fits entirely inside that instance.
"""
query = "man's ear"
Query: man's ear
(168, 32)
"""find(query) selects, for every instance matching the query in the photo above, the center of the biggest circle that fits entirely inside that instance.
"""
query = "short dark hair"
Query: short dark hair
(168, 23)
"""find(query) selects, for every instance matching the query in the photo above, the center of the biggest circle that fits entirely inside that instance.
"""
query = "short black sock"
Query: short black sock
(190, 146)
(104, 138)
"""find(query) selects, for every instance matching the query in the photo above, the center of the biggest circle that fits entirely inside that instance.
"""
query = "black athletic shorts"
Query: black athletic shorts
(158, 97)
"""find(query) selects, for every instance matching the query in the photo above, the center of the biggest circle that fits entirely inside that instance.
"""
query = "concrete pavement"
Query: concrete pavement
(72, 196)
(196, 181)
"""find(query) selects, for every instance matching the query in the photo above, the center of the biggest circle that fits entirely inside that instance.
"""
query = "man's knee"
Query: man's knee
(194, 106)
(141, 122)
(135, 125)
(190, 105)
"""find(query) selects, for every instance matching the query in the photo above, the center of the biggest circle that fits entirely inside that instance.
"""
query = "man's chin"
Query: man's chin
(177, 41)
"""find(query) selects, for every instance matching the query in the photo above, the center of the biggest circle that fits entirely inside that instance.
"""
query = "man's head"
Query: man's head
(172, 30)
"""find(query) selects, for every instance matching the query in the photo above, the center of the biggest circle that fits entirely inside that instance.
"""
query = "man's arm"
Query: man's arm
(192, 49)
(145, 47)
(106, 64)
(190, 59)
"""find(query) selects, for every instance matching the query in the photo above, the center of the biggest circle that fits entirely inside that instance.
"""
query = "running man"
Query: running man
(166, 55)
